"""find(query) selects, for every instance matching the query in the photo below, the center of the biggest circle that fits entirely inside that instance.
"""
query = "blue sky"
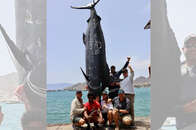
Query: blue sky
(122, 24)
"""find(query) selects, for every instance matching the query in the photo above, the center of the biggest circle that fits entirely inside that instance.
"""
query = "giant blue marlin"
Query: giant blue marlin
(97, 70)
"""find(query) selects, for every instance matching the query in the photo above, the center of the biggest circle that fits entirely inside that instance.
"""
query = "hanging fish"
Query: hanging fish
(97, 70)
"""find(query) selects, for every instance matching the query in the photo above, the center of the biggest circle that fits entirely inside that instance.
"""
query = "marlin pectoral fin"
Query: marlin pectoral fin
(86, 77)
(84, 39)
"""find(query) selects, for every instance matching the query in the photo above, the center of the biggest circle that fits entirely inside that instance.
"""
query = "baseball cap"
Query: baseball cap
(121, 91)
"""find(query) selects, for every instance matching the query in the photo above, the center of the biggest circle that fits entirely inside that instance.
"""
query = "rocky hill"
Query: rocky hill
(78, 86)
(57, 86)
(138, 82)
(141, 82)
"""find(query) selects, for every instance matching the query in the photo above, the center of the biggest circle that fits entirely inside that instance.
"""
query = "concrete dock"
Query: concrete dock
(142, 123)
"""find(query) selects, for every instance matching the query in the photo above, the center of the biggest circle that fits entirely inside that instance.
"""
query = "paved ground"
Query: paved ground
(142, 123)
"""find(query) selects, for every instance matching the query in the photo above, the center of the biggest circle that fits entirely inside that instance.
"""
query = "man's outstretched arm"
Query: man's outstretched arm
(117, 75)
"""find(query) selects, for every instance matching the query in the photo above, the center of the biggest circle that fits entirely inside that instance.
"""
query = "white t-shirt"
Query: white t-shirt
(108, 105)
(127, 84)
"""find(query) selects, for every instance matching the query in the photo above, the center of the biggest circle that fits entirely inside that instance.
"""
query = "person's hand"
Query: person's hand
(190, 107)
(113, 83)
(128, 58)
(130, 66)
(104, 106)
(123, 111)
(88, 117)
(109, 100)
(131, 69)
(115, 110)
(100, 120)
(116, 84)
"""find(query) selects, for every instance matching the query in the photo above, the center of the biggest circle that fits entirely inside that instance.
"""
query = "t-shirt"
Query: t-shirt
(109, 105)
(125, 104)
(92, 108)
(127, 84)
(76, 108)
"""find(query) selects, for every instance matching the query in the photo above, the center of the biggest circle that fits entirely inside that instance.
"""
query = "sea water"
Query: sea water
(58, 104)
(12, 116)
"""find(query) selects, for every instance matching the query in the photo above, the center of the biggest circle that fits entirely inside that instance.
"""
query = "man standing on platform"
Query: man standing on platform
(115, 76)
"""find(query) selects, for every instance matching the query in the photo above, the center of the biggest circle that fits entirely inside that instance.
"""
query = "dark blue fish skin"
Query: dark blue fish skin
(97, 69)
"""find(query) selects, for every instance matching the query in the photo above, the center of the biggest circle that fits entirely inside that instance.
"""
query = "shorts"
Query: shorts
(126, 117)
(131, 97)
(76, 119)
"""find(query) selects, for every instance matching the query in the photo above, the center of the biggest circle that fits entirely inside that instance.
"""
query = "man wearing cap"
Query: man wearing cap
(107, 107)
(121, 109)
(77, 110)
(186, 118)
(92, 111)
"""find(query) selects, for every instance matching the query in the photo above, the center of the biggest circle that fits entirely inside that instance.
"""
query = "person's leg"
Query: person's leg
(132, 107)
(81, 122)
(110, 116)
(100, 120)
(116, 117)
(96, 121)
(131, 97)
(78, 121)
(126, 120)
(104, 114)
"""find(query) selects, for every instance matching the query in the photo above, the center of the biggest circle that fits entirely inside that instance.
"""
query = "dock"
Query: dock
(141, 123)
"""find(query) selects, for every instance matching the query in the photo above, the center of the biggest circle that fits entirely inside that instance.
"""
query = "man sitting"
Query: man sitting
(77, 110)
(92, 111)
(121, 109)
(107, 108)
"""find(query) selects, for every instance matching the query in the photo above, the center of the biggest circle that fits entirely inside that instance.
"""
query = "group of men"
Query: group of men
(114, 106)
